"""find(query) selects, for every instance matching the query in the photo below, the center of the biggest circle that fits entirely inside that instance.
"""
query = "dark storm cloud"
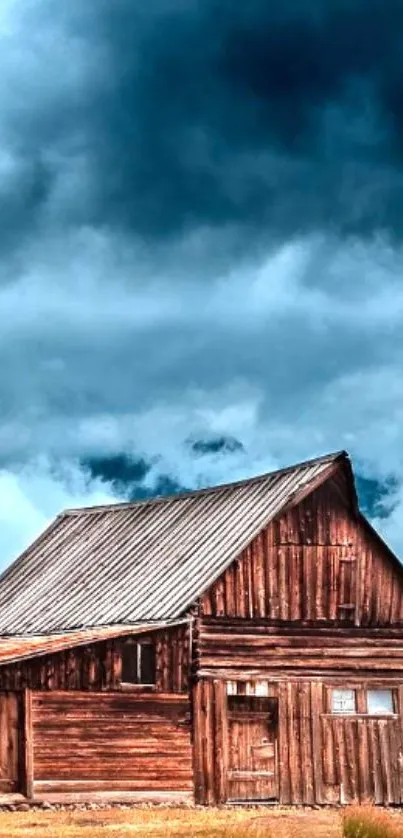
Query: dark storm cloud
(125, 477)
(119, 470)
(20, 199)
(142, 145)
(217, 445)
(377, 498)
(276, 118)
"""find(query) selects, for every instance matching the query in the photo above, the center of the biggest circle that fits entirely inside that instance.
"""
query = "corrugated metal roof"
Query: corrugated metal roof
(140, 561)
(20, 648)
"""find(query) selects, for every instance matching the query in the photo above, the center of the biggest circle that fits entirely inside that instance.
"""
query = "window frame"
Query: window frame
(137, 645)
(343, 712)
(361, 701)
(388, 713)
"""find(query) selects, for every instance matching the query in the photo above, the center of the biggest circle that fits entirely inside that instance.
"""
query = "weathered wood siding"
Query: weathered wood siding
(10, 741)
(92, 742)
(316, 563)
(321, 758)
(210, 742)
(315, 600)
(99, 666)
(242, 648)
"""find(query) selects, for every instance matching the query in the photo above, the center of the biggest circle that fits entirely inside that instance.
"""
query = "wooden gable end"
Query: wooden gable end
(320, 562)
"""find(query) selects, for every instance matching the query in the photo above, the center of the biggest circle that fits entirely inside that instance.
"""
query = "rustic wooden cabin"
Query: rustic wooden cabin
(240, 643)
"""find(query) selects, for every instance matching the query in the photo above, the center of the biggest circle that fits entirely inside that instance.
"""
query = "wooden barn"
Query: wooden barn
(240, 643)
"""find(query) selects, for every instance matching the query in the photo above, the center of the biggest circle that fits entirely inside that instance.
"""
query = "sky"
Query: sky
(201, 249)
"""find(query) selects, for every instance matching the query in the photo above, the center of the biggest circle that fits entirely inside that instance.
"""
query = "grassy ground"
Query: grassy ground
(200, 823)
(167, 823)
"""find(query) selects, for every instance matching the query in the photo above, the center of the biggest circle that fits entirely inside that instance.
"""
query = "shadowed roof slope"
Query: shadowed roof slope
(147, 560)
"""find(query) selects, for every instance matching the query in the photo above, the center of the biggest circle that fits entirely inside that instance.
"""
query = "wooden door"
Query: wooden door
(252, 748)
(9, 742)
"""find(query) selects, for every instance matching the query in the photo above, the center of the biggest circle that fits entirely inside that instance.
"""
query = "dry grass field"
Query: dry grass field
(202, 823)
(167, 823)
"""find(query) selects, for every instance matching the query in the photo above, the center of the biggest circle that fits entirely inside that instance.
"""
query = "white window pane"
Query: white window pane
(380, 701)
(262, 688)
(343, 701)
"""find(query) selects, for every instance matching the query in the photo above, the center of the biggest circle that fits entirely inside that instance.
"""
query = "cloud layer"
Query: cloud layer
(201, 247)
(269, 120)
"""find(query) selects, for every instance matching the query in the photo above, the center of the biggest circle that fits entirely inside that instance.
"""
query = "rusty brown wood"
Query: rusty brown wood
(221, 741)
(28, 744)
(130, 742)
(338, 563)
(198, 744)
(295, 614)
(316, 690)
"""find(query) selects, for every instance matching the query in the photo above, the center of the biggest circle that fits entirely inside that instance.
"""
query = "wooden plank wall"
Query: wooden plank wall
(241, 648)
(98, 666)
(173, 659)
(210, 741)
(308, 565)
(92, 742)
(10, 717)
(322, 758)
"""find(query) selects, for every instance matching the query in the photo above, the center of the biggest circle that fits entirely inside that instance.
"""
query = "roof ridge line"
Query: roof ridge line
(161, 499)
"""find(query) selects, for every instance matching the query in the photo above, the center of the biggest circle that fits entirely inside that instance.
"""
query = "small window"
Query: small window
(343, 701)
(138, 663)
(380, 702)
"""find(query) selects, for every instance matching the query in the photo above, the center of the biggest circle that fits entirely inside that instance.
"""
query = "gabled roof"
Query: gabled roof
(143, 561)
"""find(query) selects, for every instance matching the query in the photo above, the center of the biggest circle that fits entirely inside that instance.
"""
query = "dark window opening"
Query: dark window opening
(138, 663)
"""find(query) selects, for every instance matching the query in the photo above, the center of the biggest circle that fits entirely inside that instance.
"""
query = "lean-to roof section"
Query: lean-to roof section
(22, 647)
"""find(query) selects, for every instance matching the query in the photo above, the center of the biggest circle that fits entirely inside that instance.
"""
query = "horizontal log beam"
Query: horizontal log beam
(55, 793)
(346, 677)
(290, 628)
(286, 641)
(312, 662)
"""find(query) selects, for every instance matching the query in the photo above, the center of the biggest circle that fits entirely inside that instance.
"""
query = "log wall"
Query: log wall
(323, 758)
(239, 649)
(109, 742)
(315, 564)
(98, 666)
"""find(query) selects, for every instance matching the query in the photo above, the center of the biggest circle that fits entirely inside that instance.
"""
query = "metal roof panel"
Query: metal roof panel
(142, 561)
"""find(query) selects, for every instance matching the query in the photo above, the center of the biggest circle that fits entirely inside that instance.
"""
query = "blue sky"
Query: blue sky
(201, 248)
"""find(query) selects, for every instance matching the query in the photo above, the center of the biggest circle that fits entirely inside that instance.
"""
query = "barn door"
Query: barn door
(252, 748)
(9, 742)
